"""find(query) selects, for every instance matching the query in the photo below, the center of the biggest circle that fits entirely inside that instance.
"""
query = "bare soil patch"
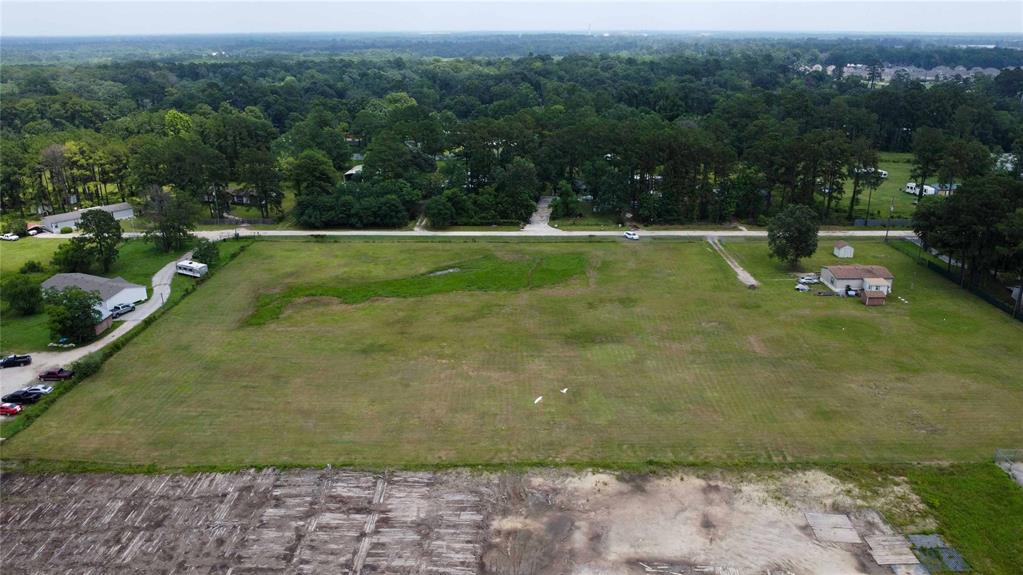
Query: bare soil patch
(314, 521)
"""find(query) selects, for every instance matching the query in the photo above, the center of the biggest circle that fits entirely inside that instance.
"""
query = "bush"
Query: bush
(23, 294)
(206, 252)
(87, 365)
(66, 230)
(31, 267)
(439, 212)
(16, 226)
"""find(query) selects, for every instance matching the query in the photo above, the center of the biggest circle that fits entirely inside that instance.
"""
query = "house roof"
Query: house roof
(106, 287)
(47, 220)
(874, 293)
(877, 281)
(858, 272)
(354, 171)
(841, 244)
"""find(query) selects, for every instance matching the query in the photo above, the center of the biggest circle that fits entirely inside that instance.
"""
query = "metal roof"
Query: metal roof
(106, 287)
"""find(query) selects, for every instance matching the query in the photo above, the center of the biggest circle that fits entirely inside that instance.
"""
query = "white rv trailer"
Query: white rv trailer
(190, 268)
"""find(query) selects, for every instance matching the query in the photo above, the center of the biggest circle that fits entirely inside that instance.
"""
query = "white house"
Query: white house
(113, 292)
(842, 250)
(54, 223)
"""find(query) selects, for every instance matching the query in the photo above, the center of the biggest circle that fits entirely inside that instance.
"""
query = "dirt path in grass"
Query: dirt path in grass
(18, 377)
(744, 276)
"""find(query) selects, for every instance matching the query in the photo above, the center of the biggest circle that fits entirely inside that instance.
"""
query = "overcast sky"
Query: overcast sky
(91, 18)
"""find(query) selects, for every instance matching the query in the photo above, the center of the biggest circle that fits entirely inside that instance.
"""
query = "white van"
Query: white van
(190, 268)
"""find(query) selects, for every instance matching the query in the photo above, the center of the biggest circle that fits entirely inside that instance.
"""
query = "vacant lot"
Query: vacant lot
(665, 356)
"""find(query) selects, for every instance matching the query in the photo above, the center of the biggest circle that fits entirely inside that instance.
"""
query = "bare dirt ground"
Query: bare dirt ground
(743, 276)
(335, 521)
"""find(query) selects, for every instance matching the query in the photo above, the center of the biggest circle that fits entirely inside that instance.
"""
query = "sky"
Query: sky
(146, 17)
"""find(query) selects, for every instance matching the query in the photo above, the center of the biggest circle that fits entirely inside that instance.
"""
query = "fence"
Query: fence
(238, 221)
(913, 250)
(879, 223)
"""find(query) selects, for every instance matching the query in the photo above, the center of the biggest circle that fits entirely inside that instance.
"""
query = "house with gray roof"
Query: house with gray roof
(113, 291)
(54, 223)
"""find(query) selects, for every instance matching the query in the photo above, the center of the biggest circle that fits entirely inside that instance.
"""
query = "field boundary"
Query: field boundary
(914, 252)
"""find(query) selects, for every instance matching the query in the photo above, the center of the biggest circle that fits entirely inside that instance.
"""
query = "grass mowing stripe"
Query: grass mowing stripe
(486, 273)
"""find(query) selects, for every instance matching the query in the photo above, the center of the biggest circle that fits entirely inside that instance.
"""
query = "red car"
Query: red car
(10, 409)
(56, 375)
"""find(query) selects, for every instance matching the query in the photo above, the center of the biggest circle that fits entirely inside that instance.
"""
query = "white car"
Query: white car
(40, 388)
(631, 235)
(802, 288)
(9, 237)
(809, 280)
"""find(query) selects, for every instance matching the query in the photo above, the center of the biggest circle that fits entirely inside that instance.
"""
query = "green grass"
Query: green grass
(667, 358)
(979, 511)
(486, 273)
(889, 193)
(137, 262)
(587, 221)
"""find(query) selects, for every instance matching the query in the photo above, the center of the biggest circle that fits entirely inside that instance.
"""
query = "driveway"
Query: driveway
(539, 222)
(14, 378)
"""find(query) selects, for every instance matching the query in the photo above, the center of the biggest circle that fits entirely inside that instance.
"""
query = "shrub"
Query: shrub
(23, 294)
(206, 252)
(16, 226)
(66, 230)
(31, 267)
(88, 365)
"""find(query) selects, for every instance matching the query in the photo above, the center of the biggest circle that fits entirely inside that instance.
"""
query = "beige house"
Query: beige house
(857, 278)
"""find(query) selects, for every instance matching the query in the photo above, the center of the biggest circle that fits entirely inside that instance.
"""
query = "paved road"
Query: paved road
(549, 232)
(14, 378)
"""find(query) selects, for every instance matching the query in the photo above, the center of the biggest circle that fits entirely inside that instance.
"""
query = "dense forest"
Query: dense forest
(734, 133)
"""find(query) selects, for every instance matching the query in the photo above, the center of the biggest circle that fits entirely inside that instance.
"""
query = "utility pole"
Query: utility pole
(891, 210)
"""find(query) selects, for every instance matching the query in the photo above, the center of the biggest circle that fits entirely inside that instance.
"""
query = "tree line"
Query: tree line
(674, 137)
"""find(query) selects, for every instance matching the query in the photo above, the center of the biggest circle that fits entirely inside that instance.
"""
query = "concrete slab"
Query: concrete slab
(891, 550)
(832, 527)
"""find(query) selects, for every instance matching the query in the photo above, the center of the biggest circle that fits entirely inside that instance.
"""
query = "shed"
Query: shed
(843, 250)
(873, 297)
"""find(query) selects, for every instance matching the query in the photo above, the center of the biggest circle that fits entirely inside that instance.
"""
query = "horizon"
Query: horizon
(100, 19)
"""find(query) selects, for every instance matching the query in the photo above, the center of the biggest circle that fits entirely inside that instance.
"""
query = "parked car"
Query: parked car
(21, 397)
(630, 235)
(121, 309)
(16, 360)
(40, 388)
(809, 280)
(9, 237)
(10, 409)
(33, 232)
(56, 375)
(802, 288)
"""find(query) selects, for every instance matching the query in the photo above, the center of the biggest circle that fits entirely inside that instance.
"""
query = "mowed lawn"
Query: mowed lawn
(664, 354)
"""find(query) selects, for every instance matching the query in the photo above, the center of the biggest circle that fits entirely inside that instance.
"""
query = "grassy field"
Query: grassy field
(665, 356)
(889, 193)
(137, 262)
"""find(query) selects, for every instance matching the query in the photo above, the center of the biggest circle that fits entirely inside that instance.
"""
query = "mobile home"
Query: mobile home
(190, 268)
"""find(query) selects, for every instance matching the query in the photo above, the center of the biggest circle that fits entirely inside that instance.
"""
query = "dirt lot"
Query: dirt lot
(337, 521)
